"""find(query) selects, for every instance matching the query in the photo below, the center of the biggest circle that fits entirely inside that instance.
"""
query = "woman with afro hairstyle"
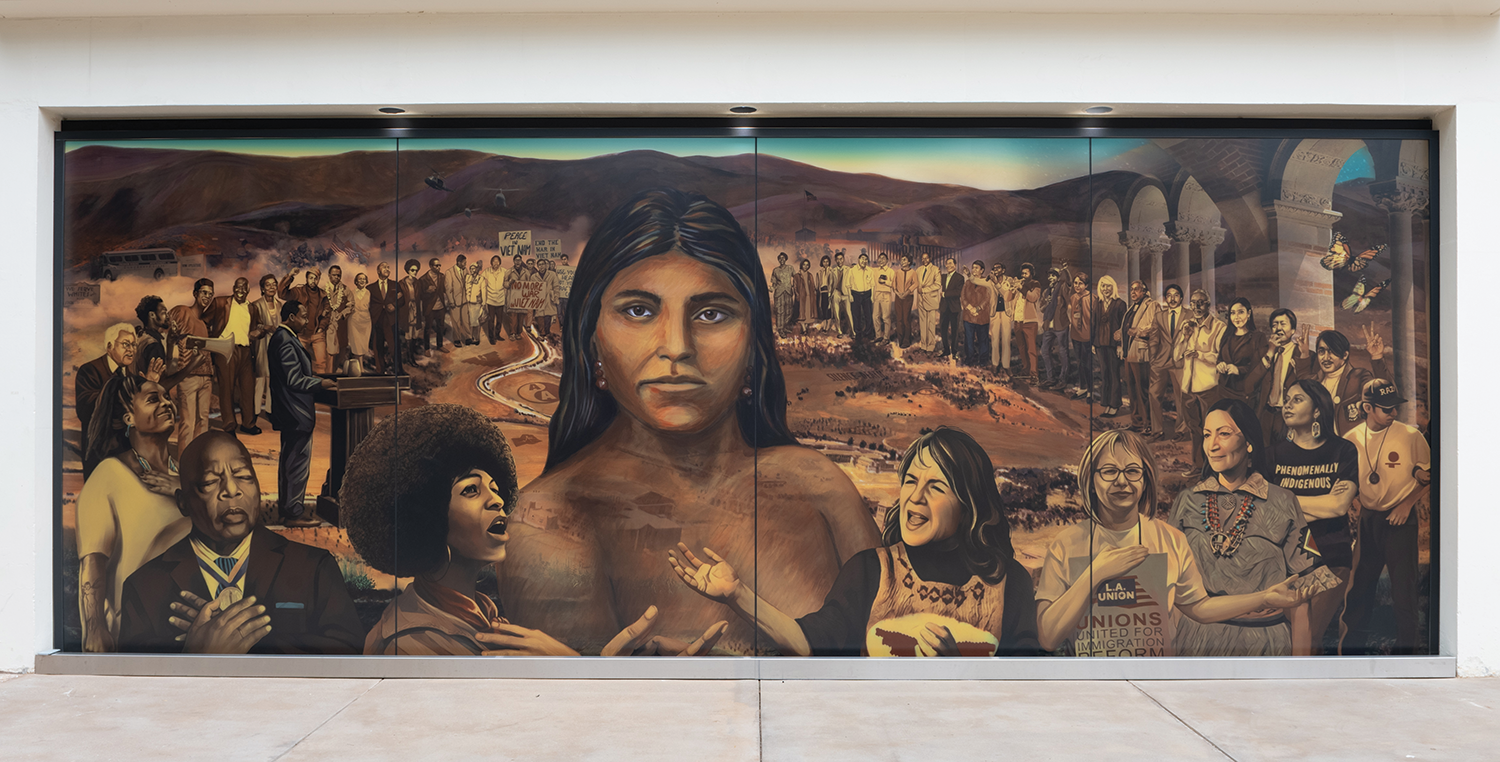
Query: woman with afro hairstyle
(671, 426)
(430, 497)
(944, 583)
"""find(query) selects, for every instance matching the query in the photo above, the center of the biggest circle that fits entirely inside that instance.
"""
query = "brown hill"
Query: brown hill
(218, 203)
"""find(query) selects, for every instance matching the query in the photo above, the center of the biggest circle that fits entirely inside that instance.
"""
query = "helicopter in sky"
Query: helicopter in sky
(500, 195)
(435, 182)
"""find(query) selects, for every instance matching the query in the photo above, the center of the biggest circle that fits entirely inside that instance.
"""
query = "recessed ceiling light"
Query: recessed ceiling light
(742, 110)
(392, 110)
(1098, 109)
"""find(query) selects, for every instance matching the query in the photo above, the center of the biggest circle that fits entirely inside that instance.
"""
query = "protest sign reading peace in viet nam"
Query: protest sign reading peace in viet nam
(513, 242)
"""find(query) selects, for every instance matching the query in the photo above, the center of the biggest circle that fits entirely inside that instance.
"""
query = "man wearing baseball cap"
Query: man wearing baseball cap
(1395, 465)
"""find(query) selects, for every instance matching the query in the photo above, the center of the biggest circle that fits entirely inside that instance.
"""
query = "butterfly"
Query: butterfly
(1361, 297)
(1339, 256)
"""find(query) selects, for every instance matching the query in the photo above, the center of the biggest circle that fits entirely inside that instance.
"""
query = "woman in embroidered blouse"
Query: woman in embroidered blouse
(944, 583)
(1117, 481)
(126, 511)
(1246, 534)
(430, 499)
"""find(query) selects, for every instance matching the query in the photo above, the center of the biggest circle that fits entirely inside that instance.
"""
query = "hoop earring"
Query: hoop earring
(1289, 433)
(1317, 431)
(599, 376)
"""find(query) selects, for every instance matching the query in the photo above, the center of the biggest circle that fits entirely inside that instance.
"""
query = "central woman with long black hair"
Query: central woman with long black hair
(671, 426)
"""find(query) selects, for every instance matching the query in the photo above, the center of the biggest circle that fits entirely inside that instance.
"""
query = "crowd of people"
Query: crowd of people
(1322, 409)
(143, 402)
(1299, 499)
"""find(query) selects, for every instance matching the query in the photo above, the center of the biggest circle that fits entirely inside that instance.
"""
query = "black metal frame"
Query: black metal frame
(398, 127)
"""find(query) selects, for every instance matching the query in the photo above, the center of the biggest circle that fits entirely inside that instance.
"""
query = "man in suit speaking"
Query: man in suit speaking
(231, 587)
(292, 387)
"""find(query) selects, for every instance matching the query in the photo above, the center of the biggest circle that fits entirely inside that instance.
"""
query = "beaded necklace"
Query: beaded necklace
(146, 467)
(1224, 543)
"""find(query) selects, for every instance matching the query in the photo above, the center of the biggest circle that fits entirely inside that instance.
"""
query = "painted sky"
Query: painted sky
(531, 148)
(984, 163)
(1359, 165)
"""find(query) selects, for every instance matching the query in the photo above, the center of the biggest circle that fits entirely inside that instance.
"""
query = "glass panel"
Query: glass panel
(767, 359)
(920, 325)
(616, 463)
(187, 369)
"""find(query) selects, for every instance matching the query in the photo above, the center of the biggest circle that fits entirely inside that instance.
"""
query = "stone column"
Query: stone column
(1293, 276)
(1208, 240)
(1181, 237)
(1401, 198)
(1142, 252)
(1154, 250)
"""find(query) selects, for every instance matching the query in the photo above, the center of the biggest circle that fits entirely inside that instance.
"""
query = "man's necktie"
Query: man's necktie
(225, 572)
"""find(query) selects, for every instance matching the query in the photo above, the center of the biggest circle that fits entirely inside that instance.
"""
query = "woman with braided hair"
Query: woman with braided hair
(127, 512)
(429, 494)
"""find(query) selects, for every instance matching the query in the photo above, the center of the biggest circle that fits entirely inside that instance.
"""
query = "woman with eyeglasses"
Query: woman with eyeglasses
(1247, 535)
(1122, 569)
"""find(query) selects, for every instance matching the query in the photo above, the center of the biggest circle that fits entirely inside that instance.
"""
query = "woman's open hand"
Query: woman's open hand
(637, 640)
(1283, 596)
(1115, 562)
(512, 640)
(162, 484)
(717, 581)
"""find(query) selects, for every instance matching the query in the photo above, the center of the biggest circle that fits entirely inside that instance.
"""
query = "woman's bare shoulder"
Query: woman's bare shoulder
(796, 460)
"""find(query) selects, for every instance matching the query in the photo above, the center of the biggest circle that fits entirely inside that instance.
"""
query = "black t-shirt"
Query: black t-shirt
(1311, 473)
(838, 629)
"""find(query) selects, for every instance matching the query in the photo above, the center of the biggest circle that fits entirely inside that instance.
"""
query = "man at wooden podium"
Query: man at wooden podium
(292, 387)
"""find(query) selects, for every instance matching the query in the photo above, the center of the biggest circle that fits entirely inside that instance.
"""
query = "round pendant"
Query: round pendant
(229, 596)
(1374, 478)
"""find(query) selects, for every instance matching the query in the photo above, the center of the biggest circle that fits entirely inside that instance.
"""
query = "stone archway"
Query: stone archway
(1144, 235)
(1299, 208)
(1106, 225)
(1196, 221)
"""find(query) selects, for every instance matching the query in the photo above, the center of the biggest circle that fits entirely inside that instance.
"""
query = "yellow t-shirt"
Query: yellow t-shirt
(1392, 453)
(1133, 615)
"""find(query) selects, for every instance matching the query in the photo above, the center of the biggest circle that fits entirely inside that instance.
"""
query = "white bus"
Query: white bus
(157, 263)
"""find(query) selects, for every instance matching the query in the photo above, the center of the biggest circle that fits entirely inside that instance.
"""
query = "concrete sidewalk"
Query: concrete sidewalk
(227, 719)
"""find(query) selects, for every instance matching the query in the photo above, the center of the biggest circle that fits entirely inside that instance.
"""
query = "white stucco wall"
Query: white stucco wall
(1161, 65)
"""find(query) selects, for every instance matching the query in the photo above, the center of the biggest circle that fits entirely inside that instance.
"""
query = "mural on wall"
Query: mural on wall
(735, 396)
